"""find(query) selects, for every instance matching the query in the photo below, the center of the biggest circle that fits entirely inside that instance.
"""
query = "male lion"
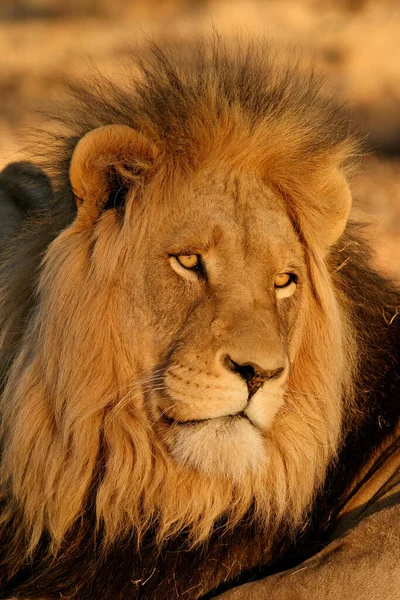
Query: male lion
(199, 363)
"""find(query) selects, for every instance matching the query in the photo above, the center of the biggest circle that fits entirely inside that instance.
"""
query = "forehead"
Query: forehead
(215, 209)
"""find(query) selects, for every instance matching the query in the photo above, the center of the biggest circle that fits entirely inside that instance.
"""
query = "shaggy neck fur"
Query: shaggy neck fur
(76, 433)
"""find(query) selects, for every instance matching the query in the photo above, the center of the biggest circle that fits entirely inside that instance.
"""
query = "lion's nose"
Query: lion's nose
(253, 374)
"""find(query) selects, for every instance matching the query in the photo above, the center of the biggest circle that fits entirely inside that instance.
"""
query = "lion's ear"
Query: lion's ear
(323, 215)
(106, 163)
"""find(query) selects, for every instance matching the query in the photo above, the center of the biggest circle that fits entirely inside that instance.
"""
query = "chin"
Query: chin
(228, 447)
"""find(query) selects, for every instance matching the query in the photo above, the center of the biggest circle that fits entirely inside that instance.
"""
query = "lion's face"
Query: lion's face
(216, 339)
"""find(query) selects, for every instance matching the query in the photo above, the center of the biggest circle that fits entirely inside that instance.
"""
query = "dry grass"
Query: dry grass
(358, 41)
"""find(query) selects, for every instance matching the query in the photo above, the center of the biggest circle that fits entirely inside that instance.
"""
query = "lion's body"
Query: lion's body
(361, 556)
(25, 190)
(166, 430)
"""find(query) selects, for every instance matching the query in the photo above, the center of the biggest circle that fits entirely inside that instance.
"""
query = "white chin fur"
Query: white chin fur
(263, 407)
(221, 447)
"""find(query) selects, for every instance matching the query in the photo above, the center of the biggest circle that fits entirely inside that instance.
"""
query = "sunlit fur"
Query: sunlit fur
(67, 422)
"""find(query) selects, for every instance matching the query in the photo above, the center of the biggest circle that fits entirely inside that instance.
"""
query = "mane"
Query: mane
(221, 106)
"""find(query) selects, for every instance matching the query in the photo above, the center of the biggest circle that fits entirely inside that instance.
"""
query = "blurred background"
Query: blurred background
(356, 43)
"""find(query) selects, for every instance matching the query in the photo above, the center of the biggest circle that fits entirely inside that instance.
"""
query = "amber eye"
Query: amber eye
(283, 280)
(189, 261)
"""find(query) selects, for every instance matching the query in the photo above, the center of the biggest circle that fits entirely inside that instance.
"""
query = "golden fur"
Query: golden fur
(83, 404)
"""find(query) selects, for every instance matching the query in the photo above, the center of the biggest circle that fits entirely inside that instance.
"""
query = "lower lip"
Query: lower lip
(194, 422)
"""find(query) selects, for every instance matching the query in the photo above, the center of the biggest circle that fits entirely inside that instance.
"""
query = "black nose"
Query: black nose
(253, 374)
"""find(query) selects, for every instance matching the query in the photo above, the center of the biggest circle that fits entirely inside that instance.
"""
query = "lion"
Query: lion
(199, 364)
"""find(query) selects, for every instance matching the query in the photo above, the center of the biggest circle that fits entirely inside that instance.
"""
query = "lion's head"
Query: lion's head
(186, 356)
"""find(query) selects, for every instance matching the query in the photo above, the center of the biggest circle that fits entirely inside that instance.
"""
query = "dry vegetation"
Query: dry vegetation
(358, 42)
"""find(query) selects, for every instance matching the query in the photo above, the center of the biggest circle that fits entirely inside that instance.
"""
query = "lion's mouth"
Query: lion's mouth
(194, 422)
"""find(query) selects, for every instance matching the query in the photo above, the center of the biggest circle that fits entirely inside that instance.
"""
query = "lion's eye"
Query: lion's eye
(282, 280)
(189, 261)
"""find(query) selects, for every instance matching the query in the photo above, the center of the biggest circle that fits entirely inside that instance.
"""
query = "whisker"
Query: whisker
(164, 412)
(152, 382)
(137, 393)
(291, 391)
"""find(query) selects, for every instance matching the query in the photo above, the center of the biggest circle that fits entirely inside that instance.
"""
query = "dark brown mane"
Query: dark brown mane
(169, 91)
